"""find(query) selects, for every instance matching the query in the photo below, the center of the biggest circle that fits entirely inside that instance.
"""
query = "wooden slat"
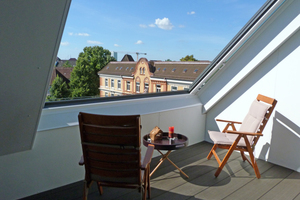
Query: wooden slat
(102, 139)
(111, 157)
(115, 173)
(113, 165)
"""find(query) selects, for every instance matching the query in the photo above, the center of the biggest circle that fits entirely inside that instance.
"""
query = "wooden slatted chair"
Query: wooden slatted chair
(246, 138)
(111, 152)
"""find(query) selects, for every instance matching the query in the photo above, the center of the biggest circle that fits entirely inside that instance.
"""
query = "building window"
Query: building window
(128, 85)
(174, 69)
(112, 94)
(144, 70)
(196, 70)
(138, 87)
(158, 88)
(106, 82)
(112, 84)
(119, 84)
(158, 69)
(127, 68)
(106, 94)
(146, 89)
(174, 88)
(140, 70)
(185, 70)
(164, 69)
(117, 68)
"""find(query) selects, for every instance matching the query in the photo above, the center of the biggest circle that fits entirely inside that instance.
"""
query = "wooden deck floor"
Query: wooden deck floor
(236, 181)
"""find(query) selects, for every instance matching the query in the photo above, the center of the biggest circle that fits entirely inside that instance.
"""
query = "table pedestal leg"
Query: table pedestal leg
(164, 157)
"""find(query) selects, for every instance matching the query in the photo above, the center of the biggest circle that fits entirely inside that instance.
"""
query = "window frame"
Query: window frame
(128, 85)
(137, 87)
(119, 85)
(112, 83)
(158, 88)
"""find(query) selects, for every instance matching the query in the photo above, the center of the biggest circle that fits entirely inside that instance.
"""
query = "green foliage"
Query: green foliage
(188, 58)
(84, 77)
(59, 89)
(67, 64)
(168, 60)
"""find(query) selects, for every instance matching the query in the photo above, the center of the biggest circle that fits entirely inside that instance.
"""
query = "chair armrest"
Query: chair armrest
(228, 121)
(148, 156)
(244, 133)
(81, 162)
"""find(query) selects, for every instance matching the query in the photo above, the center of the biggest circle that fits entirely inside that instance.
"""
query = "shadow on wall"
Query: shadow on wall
(250, 80)
(285, 142)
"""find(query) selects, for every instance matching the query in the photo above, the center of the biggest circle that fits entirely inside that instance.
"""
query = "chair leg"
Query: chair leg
(228, 154)
(148, 185)
(243, 156)
(253, 161)
(100, 189)
(86, 189)
(211, 151)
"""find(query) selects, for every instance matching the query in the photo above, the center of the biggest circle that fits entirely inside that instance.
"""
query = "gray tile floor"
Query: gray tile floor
(236, 181)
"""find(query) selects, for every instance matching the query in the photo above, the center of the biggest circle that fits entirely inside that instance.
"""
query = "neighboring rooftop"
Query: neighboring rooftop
(60, 63)
(187, 71)
(63, 72)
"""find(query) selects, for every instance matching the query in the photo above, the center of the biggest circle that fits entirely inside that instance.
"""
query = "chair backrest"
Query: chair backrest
(111, 148)
(258, 115)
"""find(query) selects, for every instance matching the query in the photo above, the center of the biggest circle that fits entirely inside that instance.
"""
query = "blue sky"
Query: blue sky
(164, 29)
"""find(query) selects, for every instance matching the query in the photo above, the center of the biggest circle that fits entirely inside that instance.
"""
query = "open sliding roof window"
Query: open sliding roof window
(161, 63)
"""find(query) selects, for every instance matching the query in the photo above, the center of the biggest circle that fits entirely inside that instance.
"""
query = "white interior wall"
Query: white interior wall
(277, 77)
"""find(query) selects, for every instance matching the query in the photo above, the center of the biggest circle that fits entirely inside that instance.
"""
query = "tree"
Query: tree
(59, 89)
(67, 64)
(168, 60)
(188, 58)
(84, 77)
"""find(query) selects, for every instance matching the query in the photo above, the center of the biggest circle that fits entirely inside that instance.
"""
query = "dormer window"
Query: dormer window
(158, 69)
(185, 70)
(164, 69)
(107, 67)
(127, 68)
(131, 68)
(117, 68)
(174, 69)
(120, 68)
(196, 70)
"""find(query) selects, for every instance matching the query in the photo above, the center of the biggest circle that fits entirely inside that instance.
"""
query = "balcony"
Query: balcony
(40, 147)
(236, 181)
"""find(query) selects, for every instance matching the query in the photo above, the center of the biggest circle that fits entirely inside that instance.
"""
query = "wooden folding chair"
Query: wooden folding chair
(246, 138)
(111, 148)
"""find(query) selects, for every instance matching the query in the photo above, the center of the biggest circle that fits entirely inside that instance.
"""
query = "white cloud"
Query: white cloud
(64, 43)
(152, 25)
(191, 13)
(164, 23)
(139, 42)
(116, 45)
(79, 34)
(181, 26)
(94, 42)
(143, 26)
(84, 34)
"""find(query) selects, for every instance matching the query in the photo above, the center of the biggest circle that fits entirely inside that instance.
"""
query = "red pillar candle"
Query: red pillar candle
(171, 131)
